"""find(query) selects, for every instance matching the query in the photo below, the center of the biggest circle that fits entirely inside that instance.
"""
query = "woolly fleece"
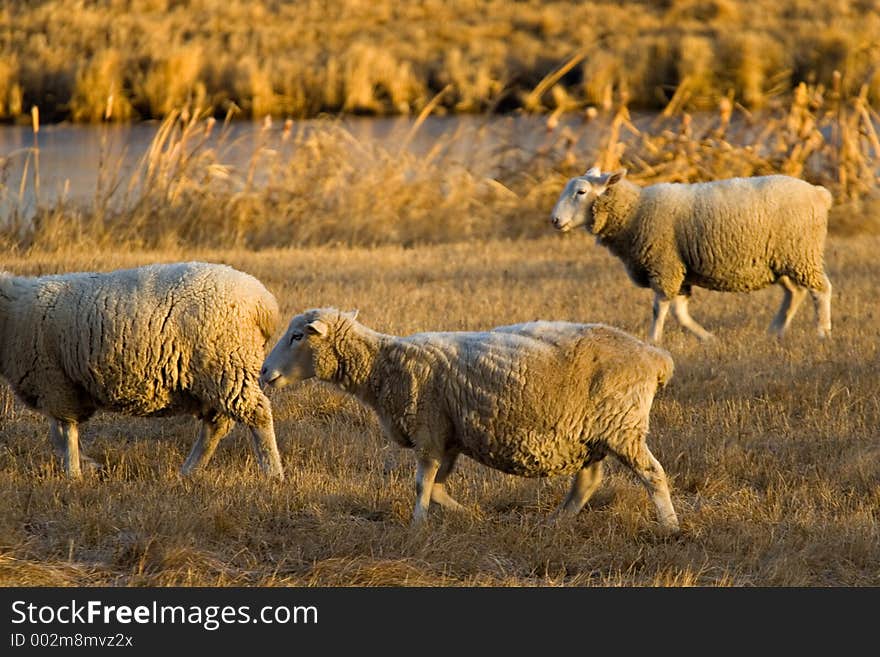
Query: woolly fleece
(733, 235)
(533, 399)
(185, 338)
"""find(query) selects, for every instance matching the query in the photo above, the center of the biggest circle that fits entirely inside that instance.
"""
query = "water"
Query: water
(76, 161)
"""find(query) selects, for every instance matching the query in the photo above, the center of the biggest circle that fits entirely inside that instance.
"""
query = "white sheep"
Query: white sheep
(534, 399)
(185, 338)
(733, 235)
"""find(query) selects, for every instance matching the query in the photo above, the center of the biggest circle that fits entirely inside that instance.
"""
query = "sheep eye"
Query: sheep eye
(581, 192)
(295, 336)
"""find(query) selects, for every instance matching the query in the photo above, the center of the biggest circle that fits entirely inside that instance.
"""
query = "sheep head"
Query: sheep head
(306, 349)
(573, 207)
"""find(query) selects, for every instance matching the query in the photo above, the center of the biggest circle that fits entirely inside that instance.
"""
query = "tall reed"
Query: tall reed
(383, 57)
(316, 183)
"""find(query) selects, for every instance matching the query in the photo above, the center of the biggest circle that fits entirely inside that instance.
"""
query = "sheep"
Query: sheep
(734, 235)
(535, 399)
(184, 338)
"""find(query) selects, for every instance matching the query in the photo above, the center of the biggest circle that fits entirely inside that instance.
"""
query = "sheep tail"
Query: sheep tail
(267, 316)
(665, 367)
(825, 196)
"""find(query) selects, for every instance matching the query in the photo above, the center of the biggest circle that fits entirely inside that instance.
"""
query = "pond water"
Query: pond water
(76, 161)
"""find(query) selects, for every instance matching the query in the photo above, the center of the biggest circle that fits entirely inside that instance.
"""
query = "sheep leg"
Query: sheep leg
(210, 434)
(583, 485)
(792, 297)
(65, 439)
(426, 472)
(59, 445)
(681, 314)
(651, 474)
(661, 308)
(438, 490)
(266, 450)
(822, 305)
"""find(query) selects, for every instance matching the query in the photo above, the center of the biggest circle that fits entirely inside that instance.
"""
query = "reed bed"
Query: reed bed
(310, 183)
(145, 58)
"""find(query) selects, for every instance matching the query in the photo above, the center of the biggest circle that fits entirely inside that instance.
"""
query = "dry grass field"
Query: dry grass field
(772, 448)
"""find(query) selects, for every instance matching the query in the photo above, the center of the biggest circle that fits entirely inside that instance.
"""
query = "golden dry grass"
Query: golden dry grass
(771, 448)
(113, 59)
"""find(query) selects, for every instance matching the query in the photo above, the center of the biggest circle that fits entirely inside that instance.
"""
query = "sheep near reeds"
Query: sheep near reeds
(733, 235)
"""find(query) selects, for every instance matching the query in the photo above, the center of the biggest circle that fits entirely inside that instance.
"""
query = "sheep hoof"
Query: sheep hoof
(416, 527)
(90, 464)
(670, 529)
(561, 515)
(274, 475)
(418, 520)
(557, 520)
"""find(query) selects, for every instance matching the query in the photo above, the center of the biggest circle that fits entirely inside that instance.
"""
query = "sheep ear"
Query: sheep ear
(593, 172)
(317, 328)
(353, 314)
(616, 177)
